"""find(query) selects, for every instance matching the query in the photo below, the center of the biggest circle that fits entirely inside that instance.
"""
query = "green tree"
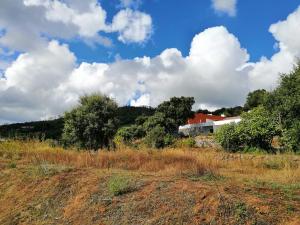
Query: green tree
(255, 98)
(284, 104)
(176, 111)
(92, 124)
(256, 129)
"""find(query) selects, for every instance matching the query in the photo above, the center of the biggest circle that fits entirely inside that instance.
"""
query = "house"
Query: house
(205, 124)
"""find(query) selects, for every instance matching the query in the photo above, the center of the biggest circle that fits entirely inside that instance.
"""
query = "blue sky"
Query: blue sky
(141, 52)
(176, 22)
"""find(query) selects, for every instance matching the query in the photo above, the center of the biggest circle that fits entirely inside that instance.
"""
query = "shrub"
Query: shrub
(131, 133)
(257, 129)
(186, 142)
(228, 138)
(155, 137)
(119, 185)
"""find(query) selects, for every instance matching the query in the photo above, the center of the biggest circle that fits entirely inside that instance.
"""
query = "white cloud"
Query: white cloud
(133, 26)
(130, 3)
(35, 21)
(225, 6)
(143, 100)
(46, 81)
(34, 88)
(265, 74)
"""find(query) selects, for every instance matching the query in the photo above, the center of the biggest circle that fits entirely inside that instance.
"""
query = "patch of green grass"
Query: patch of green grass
(208, 176)
(118, 185)
(290, 208)
(12, 165)
(241, 212)
(289, 190)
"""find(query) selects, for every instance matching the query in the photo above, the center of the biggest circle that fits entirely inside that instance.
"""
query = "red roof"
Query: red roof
(203, 118)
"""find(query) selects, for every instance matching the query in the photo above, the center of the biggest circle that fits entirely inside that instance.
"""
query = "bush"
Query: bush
(131, 133)
(186, 143)
(155, 137)
(257, 129)
(228, 138)
(119, 185)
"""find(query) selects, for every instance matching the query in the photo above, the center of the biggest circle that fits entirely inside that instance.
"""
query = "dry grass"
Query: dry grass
(282, 168)
(169, 161)
(40, 184)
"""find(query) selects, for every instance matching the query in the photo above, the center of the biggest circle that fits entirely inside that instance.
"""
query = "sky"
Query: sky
(141, 52)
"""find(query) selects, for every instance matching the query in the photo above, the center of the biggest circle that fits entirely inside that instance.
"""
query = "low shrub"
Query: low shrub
(155, 138)
(118, 185)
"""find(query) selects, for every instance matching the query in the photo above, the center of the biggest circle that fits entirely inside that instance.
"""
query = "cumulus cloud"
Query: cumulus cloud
(46, 81)
(266, 72)
(133, 26)
(33, 87)
(35, 20)
(225, 6)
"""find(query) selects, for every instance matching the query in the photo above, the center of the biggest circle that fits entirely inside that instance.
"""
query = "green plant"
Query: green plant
(283, 105)
(241, 211)
(12, 165)
(186, 142)
(228, 138)
(118, 185)
(256, 130)
(91, 125)
(155, 137)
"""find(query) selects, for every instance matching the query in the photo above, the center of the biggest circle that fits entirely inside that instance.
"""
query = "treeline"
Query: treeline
(52, 129)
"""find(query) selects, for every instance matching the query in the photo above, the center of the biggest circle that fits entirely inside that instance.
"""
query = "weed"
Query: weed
(241, 212)
(118, 185)
(12, 165)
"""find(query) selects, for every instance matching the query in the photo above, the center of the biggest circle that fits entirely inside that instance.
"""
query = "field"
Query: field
(40, 184)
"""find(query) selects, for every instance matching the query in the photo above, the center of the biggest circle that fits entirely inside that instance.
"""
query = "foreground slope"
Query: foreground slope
(43, 185)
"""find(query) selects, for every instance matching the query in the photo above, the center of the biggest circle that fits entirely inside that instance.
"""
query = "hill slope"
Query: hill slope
(42, 185)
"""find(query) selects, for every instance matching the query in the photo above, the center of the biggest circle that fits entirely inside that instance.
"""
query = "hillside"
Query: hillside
(44, 185)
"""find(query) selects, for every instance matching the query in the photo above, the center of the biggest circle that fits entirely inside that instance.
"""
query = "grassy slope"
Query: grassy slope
(43, 185)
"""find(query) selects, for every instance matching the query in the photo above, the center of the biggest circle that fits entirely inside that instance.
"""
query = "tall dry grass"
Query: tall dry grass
(283, 168)
(179, 162)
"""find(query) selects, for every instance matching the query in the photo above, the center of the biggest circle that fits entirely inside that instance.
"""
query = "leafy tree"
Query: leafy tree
(255, 98)
(92, 124)
(256, 129)
(176, 111)
(284, 104)
(234, 111)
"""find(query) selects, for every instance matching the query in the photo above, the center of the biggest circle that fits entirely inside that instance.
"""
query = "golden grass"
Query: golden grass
(282, 168)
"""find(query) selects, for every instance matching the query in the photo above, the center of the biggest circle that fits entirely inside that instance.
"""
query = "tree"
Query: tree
(256, 129)
(255, 98)
(92, 124)
(284, 104)
(176, 111)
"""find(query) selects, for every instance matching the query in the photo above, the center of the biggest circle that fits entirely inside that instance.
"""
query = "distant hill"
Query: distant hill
(52, 129)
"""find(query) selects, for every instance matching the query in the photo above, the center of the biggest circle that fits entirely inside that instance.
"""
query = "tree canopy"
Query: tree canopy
(92, 124)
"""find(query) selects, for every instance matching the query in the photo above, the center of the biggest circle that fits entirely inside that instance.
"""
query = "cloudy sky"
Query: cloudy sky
(141, 52)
